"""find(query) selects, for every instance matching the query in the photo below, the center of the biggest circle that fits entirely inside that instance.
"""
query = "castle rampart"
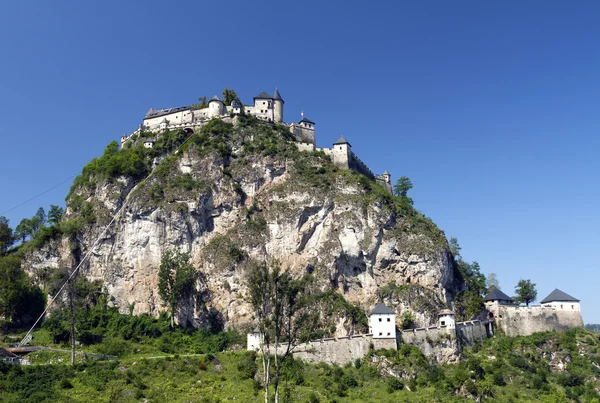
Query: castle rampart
(340, 350)
(523, 321)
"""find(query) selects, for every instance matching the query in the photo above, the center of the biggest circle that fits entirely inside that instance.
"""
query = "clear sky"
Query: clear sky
(491, 108)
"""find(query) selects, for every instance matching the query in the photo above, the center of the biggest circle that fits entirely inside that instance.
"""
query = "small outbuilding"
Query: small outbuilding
(446, 318)
(382, 322)
(9, 357)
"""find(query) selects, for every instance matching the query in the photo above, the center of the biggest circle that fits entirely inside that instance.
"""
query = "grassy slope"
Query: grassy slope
(502, 370)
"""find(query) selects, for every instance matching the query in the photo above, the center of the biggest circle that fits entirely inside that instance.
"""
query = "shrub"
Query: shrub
(246, 366)
(66, 384)
(394, 384)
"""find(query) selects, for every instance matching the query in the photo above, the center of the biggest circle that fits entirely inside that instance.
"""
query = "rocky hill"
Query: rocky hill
(239, 191)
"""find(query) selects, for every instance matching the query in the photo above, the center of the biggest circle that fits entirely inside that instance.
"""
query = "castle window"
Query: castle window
(443, 323)
(381, 334)
(380, 319)
(388, 334)
(572, 306)
(389, 320)
(561, 306)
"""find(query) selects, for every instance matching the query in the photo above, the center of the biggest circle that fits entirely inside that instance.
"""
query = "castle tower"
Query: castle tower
(254, 340)
(382, 322)
(446, 318)
(215, 107)
(340, 155)
(277, 107)
(387, 178)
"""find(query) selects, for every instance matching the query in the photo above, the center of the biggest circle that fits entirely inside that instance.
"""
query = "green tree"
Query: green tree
(20, 302)
(24, 229)
(175, 280)
(526, 292)
(55, 214)
(280, 305)
(469, 302)
(454, 247)
(6, 234)
(402, 186)
(229, 96)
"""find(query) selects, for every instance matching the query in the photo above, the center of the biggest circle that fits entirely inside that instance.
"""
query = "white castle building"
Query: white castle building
(266, 107)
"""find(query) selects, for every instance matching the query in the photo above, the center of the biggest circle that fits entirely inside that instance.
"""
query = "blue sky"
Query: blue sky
(491, 108)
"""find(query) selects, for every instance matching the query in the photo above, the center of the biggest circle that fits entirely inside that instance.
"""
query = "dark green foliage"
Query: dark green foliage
(394, 384)
(6, 235)
(229, 96)
(469, 302)
(526, 292)
(247, 365)
(20, 302)
(175, 280)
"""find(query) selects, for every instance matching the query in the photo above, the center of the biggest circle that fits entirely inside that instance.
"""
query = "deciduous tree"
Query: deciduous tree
(229, 96)
(6, 234)
(280, 308)
(20, 301)
(175, 280)
(402, 186)
(526, 292)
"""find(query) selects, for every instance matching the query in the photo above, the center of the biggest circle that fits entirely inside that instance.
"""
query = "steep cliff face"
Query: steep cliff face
(232, 195)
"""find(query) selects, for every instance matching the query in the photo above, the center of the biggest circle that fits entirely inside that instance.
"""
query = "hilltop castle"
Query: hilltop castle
(265, 107)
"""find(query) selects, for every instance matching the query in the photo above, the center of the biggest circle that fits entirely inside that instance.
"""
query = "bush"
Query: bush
(394, 384)
(66, 384)
(246, 366)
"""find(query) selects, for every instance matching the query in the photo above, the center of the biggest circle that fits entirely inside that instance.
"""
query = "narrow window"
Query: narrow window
(388, 334)
(561, 306)
(443, 323)
(380, 319)
(572, 306)
(381, 334)
(389, 320)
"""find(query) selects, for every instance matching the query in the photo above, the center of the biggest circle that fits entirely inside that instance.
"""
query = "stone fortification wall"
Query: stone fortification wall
(439, 343)
(305, 146)
(523, 321)
(303, 134)
(357, 165)
(471, 332)
(341, 350)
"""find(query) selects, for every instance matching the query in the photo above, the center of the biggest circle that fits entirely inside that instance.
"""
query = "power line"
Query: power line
(35, 197)
(28, 336)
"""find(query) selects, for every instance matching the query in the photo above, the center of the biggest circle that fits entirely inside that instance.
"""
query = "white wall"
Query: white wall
(383, 325)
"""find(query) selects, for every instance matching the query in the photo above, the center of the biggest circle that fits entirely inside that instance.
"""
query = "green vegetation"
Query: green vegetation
(526, 292)
(6, 235)
(469, 302)
(523, 369)
(21, 303)
(175, 280)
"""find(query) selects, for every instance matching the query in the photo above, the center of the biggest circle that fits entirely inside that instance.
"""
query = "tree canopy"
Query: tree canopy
(229, 96)
(20, 301)
(526, 292)
(175, 280)
(6, 234)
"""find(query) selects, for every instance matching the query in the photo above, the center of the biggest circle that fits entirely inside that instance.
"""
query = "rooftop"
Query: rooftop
(263, 95)
(558, 295)
(342, 140)
(305, 120)
(495, 294)
(381, 309)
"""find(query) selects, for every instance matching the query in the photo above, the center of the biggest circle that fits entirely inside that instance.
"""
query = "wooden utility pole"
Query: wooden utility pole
(72, 322)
